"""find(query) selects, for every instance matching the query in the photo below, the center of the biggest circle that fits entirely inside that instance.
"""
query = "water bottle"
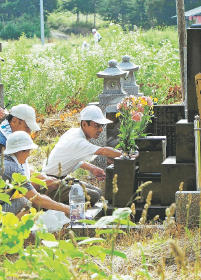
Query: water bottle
(76, 202)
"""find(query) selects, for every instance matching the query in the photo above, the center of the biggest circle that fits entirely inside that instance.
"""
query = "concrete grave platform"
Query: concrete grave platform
(188, 207)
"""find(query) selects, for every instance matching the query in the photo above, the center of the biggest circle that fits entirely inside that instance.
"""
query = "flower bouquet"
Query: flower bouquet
(134, 115)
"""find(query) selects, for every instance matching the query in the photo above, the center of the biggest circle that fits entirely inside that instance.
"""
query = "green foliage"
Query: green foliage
(22, 25)
(64, 259)
(55, 73)
(13, 231)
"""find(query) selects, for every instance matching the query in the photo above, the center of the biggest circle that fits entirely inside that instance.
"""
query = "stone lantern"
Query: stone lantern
(129, 82)
(112, 89)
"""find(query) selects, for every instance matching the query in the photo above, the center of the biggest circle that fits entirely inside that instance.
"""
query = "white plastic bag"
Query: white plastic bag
(51, 221)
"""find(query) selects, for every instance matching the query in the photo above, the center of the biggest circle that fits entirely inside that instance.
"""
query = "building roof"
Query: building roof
(193, 12)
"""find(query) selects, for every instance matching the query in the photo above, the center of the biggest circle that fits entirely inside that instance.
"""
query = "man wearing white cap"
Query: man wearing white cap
(18, 147)
(73, 148)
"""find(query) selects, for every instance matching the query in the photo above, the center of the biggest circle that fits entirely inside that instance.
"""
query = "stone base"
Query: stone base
(125, 170)
(172, 174)
(188, 215)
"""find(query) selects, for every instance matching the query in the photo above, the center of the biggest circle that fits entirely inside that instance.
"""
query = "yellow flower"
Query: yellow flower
(155, 99)
(118, 114)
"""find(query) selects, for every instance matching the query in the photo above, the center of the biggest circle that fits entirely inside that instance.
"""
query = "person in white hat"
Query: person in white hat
(18, 147)
(74, 149)
(21, 117)
(97, 36)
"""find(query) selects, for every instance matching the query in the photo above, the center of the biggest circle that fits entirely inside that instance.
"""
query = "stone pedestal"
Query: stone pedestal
(172, 174)
(125, 170)
(188, 207)
(185, 144)
(152, 153)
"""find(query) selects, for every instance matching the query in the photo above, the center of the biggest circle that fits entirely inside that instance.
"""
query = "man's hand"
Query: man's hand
(98, 173)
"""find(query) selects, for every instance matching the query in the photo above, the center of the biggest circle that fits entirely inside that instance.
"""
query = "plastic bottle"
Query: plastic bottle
(76, 202)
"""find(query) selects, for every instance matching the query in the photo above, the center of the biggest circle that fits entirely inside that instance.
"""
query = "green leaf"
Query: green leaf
(19, 178)
(97, 251)
(86, 221)
(116, 253)
(103, 221)
(21, 189)
(46, 236)
(122, 213)
(91, 241)
(2, 183)
(38, 181)
(5, 197)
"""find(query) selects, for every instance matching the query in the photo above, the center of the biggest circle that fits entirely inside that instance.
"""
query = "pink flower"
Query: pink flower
(140, 108)
(137, 116)
(149, 101)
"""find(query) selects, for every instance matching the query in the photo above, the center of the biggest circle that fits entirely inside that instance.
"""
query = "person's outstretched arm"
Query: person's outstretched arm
(43, 201)
(108, 152)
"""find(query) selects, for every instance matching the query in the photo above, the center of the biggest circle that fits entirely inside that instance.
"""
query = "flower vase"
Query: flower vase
(125, 168)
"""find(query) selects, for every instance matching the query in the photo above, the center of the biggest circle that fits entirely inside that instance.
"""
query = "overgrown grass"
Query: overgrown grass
(55, 73)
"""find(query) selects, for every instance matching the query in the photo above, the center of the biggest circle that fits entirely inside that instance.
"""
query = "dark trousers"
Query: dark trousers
(62, 193)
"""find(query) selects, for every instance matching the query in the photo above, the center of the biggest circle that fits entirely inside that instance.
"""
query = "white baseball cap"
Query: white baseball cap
(93, 30)
(19, 141)
(93, 113)
(26, 113)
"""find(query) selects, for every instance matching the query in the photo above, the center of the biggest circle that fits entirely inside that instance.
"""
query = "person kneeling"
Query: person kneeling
(18, 147)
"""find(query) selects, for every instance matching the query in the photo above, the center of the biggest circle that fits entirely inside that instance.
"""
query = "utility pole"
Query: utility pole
(42, 23)
(181, 26)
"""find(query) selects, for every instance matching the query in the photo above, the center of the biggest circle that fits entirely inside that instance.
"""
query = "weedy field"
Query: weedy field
(54, 74)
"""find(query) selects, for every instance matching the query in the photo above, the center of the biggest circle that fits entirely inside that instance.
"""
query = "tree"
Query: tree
(116, 11)
(75, 6)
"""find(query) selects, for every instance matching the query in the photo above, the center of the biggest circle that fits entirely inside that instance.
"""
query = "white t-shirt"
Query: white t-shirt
(72, 149)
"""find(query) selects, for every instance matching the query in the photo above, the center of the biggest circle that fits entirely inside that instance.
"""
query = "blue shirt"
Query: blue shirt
(10, 167)
(2, 139)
